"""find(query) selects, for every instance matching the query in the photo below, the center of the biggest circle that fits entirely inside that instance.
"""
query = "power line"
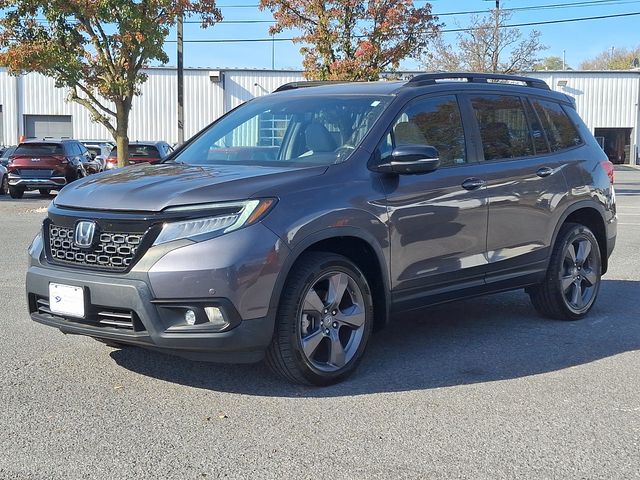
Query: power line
(552, 6)
(450, 30)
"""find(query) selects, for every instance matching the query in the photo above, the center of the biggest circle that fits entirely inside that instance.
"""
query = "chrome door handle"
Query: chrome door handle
(544, 172)
(473, 183)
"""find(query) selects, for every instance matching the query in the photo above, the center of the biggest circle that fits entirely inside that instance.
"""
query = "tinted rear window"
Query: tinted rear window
(42, 149)
(138, 151)
(561, 132)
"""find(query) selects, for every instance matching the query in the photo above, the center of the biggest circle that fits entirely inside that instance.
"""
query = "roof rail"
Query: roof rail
(307, 83)
(431, 78)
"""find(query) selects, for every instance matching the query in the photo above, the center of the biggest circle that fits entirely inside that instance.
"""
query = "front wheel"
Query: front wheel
(324, 321)
(16, 192)
(573, 277)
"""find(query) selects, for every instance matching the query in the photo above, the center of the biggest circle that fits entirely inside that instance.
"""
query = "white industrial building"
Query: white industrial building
(31, 105)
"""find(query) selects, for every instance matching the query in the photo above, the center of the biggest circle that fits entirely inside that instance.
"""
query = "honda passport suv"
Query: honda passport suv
(297, 224)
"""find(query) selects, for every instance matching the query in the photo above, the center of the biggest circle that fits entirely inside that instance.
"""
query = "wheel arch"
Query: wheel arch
(592, 216)
(354, 244)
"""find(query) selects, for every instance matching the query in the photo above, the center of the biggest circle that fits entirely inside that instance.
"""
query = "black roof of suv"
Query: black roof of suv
(290, 227)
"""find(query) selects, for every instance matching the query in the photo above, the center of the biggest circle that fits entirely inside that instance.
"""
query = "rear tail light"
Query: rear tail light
(112, 161)
(608, 167)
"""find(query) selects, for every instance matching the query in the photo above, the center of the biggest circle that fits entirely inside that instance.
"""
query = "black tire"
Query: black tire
(565, 279)
(16, 192)
(45, 192)
(285, 356)
(4, 185)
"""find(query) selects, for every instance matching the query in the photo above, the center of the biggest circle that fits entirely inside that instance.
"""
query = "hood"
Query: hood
(152, 188)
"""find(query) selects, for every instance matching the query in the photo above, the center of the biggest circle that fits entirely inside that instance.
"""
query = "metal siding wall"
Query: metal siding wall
(8, 100)
(244, 85)
(602, 99)
(203, 101)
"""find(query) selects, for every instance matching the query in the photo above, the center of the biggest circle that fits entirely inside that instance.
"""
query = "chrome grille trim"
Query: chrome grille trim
(115, 251)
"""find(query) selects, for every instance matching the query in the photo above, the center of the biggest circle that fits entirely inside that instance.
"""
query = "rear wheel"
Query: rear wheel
(324, 321)
(4, 185)
(16, 192)
(573, 279)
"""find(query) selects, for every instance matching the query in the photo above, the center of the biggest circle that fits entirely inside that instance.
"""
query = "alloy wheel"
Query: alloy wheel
(331, 321)
(579, 277)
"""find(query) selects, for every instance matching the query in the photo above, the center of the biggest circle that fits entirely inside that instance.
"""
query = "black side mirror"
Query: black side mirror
(410, 160)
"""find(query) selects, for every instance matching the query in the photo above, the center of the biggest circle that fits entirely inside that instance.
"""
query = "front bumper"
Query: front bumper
(153, 297)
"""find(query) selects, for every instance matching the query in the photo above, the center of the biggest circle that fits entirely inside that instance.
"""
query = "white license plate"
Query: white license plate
(66, 300)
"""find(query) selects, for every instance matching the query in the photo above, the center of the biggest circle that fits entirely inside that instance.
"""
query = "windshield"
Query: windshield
(287, 131)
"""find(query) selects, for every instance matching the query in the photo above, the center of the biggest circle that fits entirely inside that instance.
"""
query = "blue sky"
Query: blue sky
(580, 40)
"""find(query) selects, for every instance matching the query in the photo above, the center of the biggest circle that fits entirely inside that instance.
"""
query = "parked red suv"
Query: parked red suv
(46, 165)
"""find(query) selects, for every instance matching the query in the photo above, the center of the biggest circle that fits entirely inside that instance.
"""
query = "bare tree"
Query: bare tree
(487, 45)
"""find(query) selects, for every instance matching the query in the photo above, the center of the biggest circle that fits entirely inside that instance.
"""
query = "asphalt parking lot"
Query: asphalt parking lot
(477, 389)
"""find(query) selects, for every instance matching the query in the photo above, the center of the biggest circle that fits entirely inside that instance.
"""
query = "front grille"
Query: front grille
(113, 251)
(35, 173)
(120, 319)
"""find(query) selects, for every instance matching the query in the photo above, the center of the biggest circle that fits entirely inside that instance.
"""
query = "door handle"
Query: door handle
(473, 183)
(544, 172)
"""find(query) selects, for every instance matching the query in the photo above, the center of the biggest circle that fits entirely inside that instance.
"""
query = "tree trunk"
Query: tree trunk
(122, 136)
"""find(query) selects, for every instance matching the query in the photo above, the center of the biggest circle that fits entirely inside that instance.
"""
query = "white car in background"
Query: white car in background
(99, 149)
(4, 180)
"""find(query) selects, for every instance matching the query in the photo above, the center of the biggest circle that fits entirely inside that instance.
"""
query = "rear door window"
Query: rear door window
(561, 131)
(39, 149)
(504, 128)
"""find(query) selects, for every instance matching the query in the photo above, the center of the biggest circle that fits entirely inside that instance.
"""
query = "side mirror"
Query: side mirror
(410, 160)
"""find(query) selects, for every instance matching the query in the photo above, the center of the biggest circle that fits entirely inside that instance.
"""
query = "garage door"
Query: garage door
(51, 126)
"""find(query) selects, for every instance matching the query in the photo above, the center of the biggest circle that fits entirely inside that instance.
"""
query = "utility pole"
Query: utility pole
(180, 28)
(496, 39)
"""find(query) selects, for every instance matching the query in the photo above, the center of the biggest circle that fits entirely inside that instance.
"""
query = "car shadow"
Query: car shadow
(486, 339)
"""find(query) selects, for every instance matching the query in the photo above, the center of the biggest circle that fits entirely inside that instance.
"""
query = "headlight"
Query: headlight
(232, 216)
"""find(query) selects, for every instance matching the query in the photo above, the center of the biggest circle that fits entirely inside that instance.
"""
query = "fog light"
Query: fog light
(215, 316)
(190, 317)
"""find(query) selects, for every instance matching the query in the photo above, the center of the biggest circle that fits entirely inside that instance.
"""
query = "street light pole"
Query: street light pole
(180, 28)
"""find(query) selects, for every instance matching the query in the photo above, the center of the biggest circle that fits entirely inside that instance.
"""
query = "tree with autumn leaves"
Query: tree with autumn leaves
(95, 48)
(354, 39)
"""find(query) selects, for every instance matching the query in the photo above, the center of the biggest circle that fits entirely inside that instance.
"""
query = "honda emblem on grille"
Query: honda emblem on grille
(83, 236)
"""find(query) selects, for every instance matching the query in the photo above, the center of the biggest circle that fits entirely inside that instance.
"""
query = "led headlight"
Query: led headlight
(232, 217)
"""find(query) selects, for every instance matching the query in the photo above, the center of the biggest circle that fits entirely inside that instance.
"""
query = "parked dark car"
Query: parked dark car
(381, 198)
(46, 165)
(141, 152)
(6, 154)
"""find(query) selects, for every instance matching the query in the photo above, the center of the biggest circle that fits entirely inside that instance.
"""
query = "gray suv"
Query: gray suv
(297, 224)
